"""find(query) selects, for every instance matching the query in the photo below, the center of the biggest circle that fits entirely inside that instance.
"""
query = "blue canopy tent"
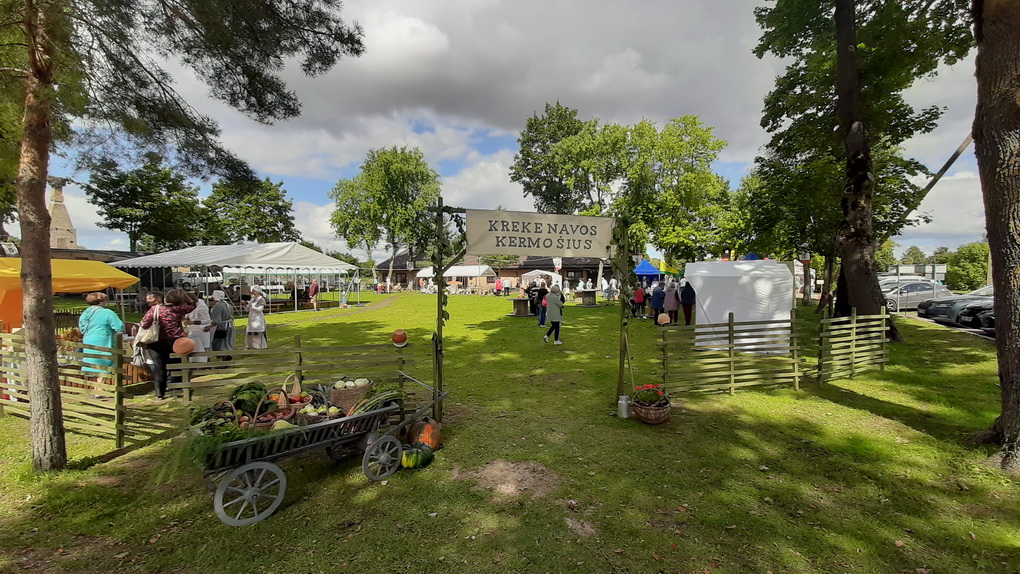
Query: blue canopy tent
(646, 269)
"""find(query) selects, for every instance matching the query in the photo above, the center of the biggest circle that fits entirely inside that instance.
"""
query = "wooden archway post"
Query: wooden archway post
(440, 265)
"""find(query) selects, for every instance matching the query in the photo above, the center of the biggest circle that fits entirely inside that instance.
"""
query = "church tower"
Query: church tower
(62, 232)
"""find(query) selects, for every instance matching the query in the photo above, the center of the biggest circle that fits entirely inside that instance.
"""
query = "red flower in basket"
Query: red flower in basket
(650, 396)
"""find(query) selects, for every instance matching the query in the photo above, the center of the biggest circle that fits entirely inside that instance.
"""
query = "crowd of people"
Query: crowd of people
(179, 313)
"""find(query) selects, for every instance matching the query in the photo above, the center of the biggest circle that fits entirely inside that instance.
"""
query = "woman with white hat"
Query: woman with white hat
(255, 332)
(199, 325)
(222, 319)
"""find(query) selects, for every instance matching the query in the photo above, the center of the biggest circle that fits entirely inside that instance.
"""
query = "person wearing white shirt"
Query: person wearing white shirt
(199, 329)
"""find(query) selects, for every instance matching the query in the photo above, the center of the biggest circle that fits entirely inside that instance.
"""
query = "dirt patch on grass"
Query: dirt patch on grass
(581, 527)
(512, 479)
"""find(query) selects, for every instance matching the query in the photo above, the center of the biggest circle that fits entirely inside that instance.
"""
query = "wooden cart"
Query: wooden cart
(251, 487)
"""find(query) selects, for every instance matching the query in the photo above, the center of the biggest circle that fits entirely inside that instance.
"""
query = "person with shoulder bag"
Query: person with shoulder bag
(168, 321)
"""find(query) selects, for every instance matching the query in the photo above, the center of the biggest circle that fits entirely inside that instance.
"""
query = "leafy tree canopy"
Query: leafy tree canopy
(253, 211)
(802, 167)
(152, 204)
(914, 256)
(534, 166)
(967, 267)
(389, 200)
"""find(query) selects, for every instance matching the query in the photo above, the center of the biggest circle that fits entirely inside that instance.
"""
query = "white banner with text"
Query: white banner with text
(518, 233)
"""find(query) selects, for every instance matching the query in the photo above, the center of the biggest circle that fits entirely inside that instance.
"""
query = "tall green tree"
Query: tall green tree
(253, 211)
(106, 58)
(967, 267)
(852, 76)
(150, 203)
(940, 255)
(914, 256)
(535, 167)
(387, 200)
(885, 256)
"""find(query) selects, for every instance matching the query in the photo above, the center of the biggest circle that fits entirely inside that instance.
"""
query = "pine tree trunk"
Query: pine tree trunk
(47, 425)
(997, 147)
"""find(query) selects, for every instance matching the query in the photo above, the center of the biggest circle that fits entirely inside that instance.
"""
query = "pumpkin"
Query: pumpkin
(426, 430)
(418, 456)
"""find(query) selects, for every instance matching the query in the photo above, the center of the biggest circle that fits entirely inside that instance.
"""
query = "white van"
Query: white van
(196, 278)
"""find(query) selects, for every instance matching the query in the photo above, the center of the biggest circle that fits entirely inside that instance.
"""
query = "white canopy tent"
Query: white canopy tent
(550, 277)
(288, 259)
(283, 256)
(752, 290)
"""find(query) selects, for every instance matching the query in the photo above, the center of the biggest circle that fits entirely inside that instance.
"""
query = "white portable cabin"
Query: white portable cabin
(756, 290)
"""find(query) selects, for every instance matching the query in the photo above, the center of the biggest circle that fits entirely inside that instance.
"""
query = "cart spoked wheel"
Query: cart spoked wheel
(382, 458)
(250, 493)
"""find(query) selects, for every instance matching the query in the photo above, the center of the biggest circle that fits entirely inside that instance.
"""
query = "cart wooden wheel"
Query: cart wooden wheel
(382, 458)
(250, 493)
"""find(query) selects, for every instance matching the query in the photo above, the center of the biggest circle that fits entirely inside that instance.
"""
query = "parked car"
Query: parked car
(907, 295)
(987, 319)
(197, 278)
(947, 309)
(969, 315)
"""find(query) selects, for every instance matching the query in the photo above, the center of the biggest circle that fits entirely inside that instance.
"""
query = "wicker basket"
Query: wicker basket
(347, 398)
(303, 419)
(651, 415)
(287, 409)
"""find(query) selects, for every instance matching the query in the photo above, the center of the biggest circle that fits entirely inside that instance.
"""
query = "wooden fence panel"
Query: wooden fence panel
(731, 355)
(851, 345)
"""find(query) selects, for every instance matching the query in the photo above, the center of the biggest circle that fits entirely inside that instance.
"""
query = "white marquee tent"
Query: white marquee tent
(538, 274)
(751, 290)
(260, 256)
(268, 260)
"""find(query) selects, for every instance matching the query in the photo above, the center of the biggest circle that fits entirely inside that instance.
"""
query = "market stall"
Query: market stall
(69, 276)
(285, 267)
(475, 277)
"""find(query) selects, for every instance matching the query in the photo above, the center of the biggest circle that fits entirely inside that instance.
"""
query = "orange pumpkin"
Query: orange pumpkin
(427, 431)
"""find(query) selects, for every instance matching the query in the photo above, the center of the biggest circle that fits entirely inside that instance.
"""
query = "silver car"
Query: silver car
(907, 295)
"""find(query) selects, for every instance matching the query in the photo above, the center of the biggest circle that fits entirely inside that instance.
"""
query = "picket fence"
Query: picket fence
(94, 403)
(732, 355)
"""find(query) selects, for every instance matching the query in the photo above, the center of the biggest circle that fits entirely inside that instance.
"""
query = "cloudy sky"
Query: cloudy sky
(458, 79)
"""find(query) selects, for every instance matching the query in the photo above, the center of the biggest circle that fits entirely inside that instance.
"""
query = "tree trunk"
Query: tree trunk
(389, 277)
(856, 240)
(997, 147)
(47, 425)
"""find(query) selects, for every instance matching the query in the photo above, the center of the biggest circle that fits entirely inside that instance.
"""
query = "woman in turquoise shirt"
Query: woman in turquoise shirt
(98, 325)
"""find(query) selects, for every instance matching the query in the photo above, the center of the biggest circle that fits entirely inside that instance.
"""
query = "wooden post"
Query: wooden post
(665, 359)
(853, 341)
(732, 342)
(119, 412)
(186, 377)
(885, 338)
(623, 253)
(298, 361)
(822, 331)
(795, 353)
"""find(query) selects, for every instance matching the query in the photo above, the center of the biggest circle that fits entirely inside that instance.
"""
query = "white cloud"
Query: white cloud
(957, 210)
(484, 184)
(441, 75)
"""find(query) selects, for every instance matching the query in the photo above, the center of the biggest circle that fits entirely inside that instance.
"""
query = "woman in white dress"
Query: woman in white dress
(199, 325)
(255, 332)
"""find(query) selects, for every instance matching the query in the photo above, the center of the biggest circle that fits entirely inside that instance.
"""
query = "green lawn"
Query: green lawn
(867, 475)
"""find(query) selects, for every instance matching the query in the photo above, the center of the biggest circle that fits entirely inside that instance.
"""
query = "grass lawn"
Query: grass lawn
(865, 475)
